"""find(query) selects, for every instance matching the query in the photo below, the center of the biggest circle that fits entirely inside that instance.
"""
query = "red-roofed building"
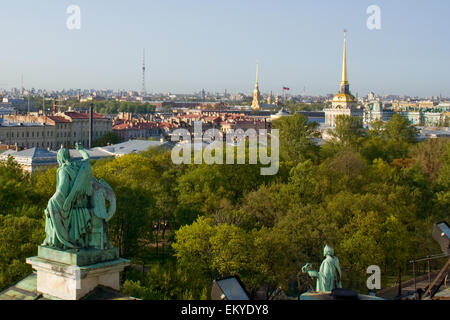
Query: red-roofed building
(227, 126)
(85, 116)
(52, 131)
(57, 119)
(140, 130)
(78, 130)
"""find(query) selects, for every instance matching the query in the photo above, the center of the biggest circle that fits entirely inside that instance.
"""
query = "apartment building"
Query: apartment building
(50, 132)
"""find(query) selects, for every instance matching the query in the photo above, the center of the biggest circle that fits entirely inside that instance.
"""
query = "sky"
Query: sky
(211, 44)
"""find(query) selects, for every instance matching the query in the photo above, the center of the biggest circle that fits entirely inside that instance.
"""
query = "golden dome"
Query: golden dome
(344, 97)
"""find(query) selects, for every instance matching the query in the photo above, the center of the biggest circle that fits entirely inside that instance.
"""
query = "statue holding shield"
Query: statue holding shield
(77, 213)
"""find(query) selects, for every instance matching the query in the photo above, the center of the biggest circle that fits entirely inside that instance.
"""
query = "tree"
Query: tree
(106, 139)
(305, 183)
(297, 138)
(132, 179)
(203, 186)
(348, 131)
(260, 258)
(429, 155)
(162, 282)
(270, 261)
(294, 106)
(261, 208)
(45, 183)
(399, 129)
(17, 194)
(193, 249)
(443, 192)
(307, 229)
(19, 238)
(362, 235)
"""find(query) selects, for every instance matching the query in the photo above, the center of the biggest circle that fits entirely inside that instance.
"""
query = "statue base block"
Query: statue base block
(81, 257)
(71, 282)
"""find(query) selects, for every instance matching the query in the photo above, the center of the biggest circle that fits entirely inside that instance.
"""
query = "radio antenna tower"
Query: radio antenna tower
(143, 90)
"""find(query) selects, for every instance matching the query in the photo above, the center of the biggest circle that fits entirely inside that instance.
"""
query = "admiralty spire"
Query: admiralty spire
(344, 103)
(345, 87)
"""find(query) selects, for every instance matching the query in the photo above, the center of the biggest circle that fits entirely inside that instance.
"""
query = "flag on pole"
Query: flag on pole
(286, 88)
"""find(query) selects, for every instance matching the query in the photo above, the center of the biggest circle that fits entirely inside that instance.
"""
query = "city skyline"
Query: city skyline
(215, 46)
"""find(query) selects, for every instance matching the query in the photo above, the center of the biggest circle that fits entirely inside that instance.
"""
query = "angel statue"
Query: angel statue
(329, 275)
(77, 213)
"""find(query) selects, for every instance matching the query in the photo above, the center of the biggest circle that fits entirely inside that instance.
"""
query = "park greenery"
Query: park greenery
(107, 139)
(114, 107)
(294, 106)
(100, 106)
(373, 195)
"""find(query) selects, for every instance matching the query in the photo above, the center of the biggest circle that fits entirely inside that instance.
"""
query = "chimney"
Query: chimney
(91, 124)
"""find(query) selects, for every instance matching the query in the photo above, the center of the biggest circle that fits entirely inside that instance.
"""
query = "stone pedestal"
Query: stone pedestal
(80, 258)
(66, 280)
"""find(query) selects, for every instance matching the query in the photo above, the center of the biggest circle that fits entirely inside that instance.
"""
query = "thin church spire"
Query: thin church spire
(256, 94)
(344, 80)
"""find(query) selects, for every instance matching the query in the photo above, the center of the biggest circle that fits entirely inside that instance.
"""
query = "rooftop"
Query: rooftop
(40, 156)
(131, 146)
(58, 119)
(79, 115)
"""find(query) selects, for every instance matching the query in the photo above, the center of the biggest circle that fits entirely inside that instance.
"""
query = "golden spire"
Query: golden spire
(256, 103)
(344, 80)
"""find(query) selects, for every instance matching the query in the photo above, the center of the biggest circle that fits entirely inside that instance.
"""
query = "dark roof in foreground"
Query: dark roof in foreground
(26, 290)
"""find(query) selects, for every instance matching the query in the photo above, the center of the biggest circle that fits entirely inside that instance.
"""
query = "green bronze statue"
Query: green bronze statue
(329, 275)
(77, 213)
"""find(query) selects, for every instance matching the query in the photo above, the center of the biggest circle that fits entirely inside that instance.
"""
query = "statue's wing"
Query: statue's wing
(82, 185)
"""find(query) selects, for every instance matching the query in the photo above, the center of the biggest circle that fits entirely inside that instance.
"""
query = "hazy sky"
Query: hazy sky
(195, 44)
